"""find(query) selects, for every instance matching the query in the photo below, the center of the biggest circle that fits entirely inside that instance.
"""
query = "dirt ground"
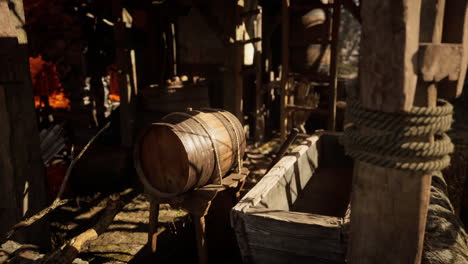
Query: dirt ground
(125, 239)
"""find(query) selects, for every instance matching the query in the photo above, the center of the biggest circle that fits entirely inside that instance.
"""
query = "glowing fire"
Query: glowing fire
(46, 84)
(114, 97)
(114, 90)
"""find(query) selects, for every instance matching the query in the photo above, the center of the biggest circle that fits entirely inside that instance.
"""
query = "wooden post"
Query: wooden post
(22, 174)
(389, 206)
(334, 64)
(233, 80)
(153, 225)
(125, 61)
(455, 30)
(200, 232)
(259, 105)
(284, 67)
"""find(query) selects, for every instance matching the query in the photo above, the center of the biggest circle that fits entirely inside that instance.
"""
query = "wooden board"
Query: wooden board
(269, 209)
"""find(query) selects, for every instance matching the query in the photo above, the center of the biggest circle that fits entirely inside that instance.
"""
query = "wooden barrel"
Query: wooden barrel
(188, 150)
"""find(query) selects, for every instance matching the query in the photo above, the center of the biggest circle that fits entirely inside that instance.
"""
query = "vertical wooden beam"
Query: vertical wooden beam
(233, 80)
(456, 31)
(200, 232)
(259, 105)
(334, 64)
(21, 167)
(153, 225)
(125, 67)
(284, 67)
(389, 206)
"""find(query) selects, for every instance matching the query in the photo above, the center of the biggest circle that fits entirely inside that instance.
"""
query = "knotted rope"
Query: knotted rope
(388, 140)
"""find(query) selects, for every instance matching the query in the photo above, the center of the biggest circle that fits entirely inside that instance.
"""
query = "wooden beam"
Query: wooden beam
(390, 42)
(21, 167)
(334, 64)
(456, 31)
(259, 94)
(125, 62)
(284, 67)
(233, 61)
(389, 206)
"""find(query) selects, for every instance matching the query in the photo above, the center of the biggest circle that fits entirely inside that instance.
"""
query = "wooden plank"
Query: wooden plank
(432, 17)
(334, 64)
(284, 67)
(440, 61)
(265, 210)
(266, 187)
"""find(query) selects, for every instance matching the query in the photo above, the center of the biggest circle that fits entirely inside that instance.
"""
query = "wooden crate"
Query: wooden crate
(298, 212)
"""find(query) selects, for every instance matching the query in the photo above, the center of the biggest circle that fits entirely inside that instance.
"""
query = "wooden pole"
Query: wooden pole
(233, 79)
(22, 177)
(389, 206)
(259, 105)
(334, 64)
(284, 67)
(126, 70)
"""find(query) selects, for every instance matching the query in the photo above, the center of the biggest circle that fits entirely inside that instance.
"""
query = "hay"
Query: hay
(445, 240)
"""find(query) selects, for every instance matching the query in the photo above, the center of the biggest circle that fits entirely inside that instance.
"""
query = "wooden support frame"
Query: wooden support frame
(389, 207)
(197, 203)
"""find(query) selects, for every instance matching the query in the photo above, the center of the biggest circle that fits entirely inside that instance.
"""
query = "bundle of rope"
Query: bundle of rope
(391, 139)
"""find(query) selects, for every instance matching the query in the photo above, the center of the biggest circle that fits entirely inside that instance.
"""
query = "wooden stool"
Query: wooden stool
(197, 203)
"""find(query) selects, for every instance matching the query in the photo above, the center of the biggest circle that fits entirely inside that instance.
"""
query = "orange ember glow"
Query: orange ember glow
(114, 97)
(114, 91)
(46, 84)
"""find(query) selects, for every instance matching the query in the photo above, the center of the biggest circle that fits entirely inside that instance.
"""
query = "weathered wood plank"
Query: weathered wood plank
(267, 186)
(266, 212)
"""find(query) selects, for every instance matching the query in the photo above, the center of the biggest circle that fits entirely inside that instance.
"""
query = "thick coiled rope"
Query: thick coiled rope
(388, 139)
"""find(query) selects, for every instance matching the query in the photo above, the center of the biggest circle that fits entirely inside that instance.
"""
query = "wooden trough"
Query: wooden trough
(297, 213)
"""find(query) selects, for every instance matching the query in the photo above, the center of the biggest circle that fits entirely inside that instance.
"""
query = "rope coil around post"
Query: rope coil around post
(389, 142)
